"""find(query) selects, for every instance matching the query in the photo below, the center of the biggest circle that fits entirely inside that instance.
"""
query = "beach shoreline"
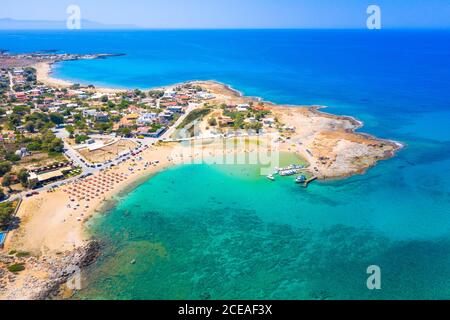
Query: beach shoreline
(44, 75)
(52, 231)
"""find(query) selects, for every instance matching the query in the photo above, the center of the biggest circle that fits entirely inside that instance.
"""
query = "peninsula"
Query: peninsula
(68, 149)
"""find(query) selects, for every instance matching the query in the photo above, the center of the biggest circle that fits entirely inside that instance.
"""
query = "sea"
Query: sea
(226, 232)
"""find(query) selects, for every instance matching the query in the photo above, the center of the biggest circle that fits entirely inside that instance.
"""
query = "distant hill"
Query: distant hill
(12, 24)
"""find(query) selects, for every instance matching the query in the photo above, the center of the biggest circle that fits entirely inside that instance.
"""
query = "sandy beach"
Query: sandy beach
(52, 223)
(44, 75)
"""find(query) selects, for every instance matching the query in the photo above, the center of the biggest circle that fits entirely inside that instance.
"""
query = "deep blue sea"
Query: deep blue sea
(242, 237)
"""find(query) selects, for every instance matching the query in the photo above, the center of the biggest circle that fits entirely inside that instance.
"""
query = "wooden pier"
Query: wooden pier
(307, 182)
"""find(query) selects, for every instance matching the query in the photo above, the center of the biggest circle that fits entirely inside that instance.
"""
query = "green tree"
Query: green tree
(257, 126)
(71, 130)
(14, 121)
(56, 145)
(34, 145)
(124, 104)
(32, 184)
(11, 156)
(41, 125)
(7, 181)
(212, 122)
(81, 138)
(23, 176)
(239, 121)
(103, 126)
(5, 167)
(155, 94)
(124, 132)
(6, 212)
(30, 126)
(21, 110)
(56, 118)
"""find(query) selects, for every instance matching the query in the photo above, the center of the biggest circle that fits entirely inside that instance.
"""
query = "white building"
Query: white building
(148, 102)
(169, 94)
(205, 95)
(250, 120)
(22, 152)
(101, 117)
(176, 109)
(269, 121)
(242, 107)
(147, 118)
(166, 115)
(17, 71)
(89, 113)
(53, 109)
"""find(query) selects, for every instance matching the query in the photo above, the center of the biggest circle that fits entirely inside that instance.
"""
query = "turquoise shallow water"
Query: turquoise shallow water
(224, 232)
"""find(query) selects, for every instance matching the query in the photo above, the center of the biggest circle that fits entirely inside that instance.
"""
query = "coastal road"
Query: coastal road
(74, 156)
(11, 82)
(171, 130)
(70, 152)
(144, 142)
(91, 168)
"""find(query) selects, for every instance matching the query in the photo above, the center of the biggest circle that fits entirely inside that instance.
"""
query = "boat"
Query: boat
(301, 179)
(288, 172)
(271, 177)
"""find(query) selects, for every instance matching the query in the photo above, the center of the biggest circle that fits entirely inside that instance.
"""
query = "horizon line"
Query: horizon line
(133, 27)
(225, 29)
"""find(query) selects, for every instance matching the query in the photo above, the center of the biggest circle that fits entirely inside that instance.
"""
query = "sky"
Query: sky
(208, 14)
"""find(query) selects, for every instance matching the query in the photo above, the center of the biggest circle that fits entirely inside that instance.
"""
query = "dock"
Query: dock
(293, 170)
(290, 170)
(307, 182)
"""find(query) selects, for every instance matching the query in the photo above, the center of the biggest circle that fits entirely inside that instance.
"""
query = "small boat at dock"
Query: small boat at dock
(288, 172)
(271, 177)
(301, 179)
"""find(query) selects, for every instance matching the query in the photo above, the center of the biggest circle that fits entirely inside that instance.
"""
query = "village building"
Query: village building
(45, 177)
(22, 152)
(226, 121)
(269, 121)
(147, 132)
(89, 113)
(205, 95)
(176, 109)
(147, 118)
(101, 117)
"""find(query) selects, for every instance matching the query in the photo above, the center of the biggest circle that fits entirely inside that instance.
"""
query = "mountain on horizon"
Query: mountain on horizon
(13, 24)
